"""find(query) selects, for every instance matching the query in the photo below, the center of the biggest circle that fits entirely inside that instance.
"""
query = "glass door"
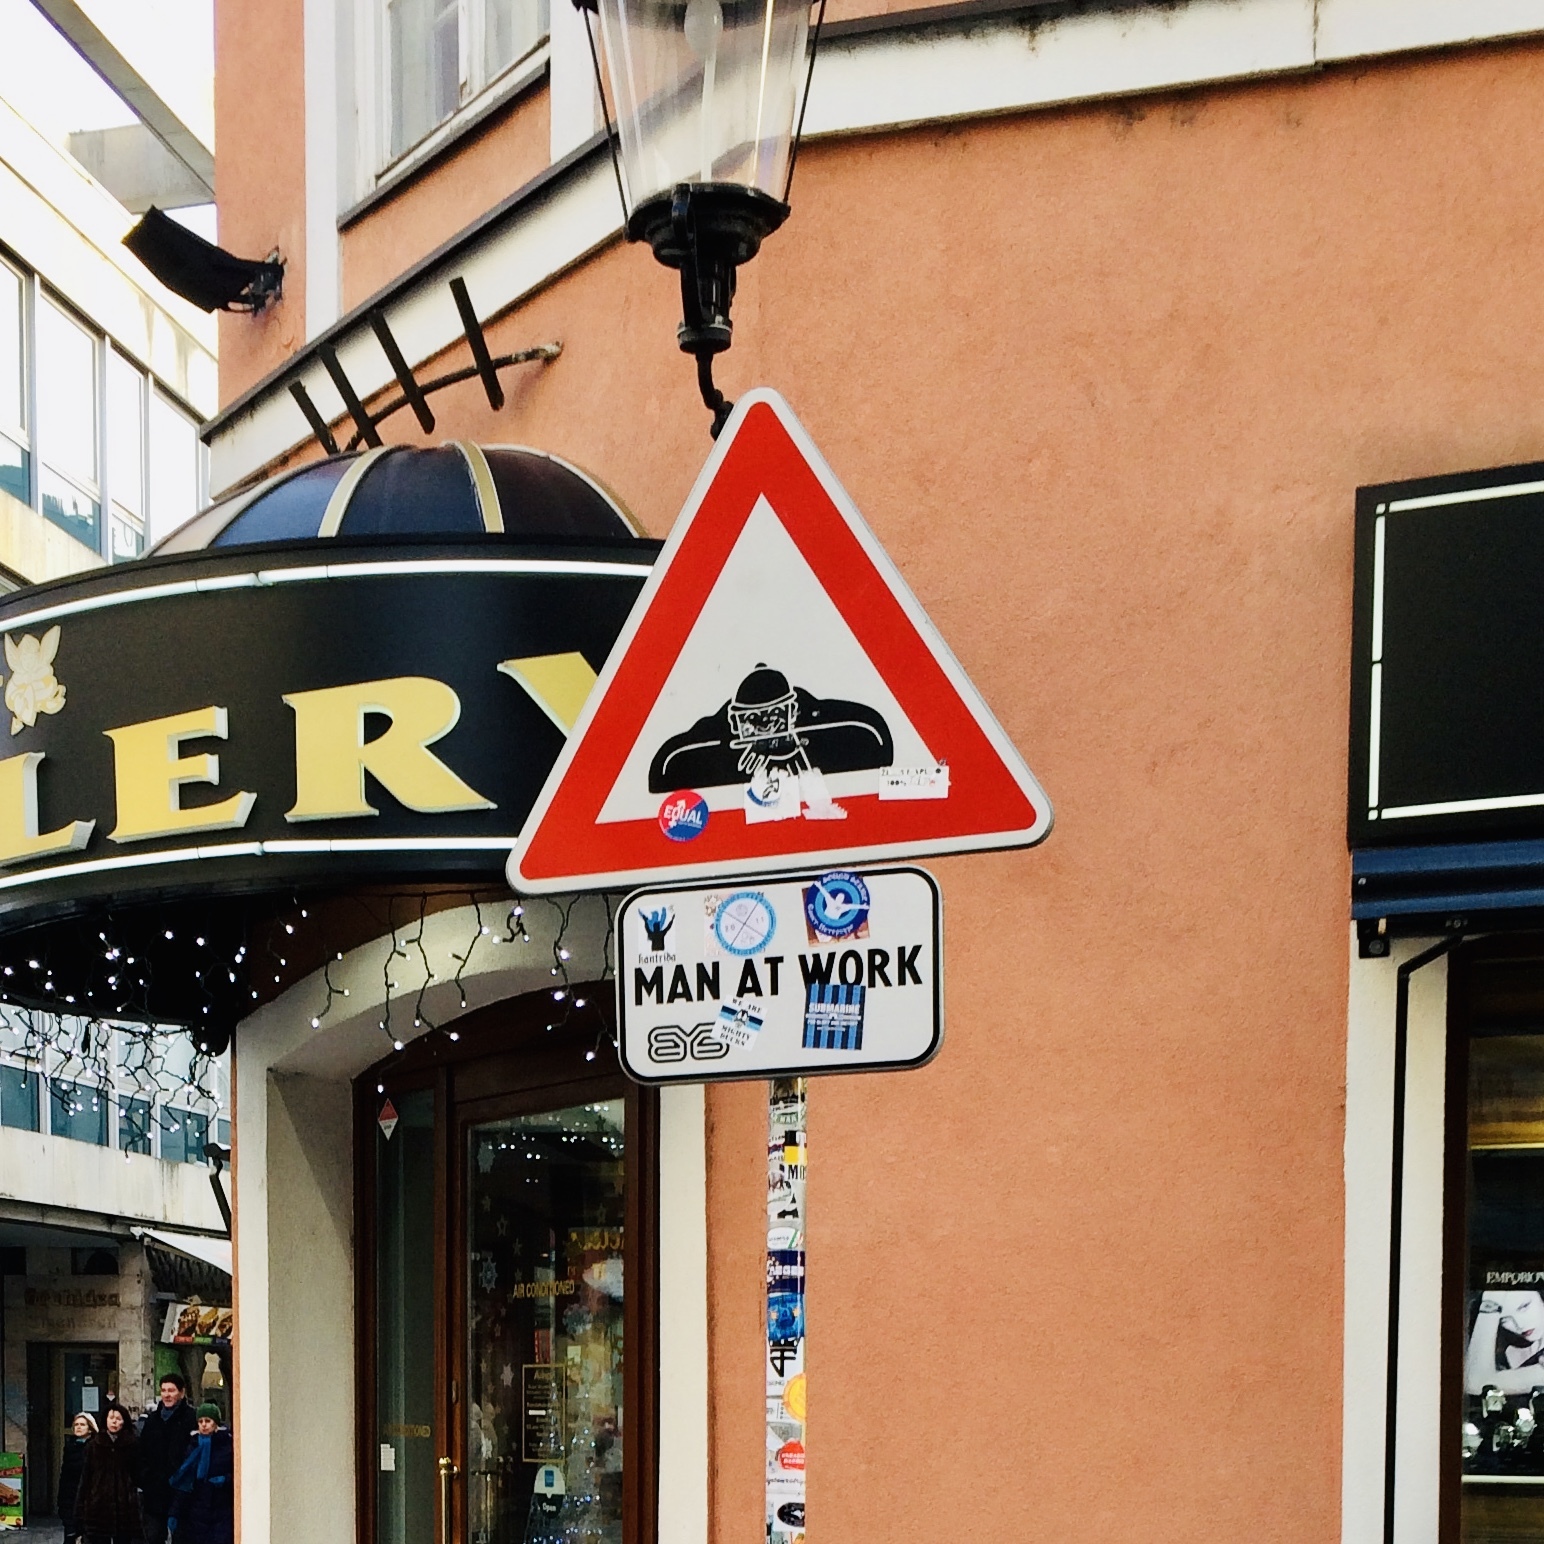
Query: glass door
(506, 1293)
(546, 1201)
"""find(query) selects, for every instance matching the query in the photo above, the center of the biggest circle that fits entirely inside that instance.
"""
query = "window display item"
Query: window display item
(545, 1288)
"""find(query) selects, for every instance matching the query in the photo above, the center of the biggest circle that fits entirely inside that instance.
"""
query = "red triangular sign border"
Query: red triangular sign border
(994, 800)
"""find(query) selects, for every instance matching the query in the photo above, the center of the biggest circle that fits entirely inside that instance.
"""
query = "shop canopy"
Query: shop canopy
(351, 679)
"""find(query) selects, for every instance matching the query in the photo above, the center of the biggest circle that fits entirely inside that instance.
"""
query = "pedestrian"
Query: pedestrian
(204, 1488)
(163, 1444)
(82, 1429)
(106, 1509)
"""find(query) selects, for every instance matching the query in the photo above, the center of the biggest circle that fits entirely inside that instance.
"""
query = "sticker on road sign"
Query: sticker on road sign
(777, 699)
(778, 995)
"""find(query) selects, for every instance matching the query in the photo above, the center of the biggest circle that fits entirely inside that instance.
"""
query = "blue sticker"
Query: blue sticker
(833, 1017)
(683, 816)
(836, 906)
(744, 924)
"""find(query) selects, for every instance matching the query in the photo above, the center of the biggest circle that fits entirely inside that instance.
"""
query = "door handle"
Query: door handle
(447, 1472)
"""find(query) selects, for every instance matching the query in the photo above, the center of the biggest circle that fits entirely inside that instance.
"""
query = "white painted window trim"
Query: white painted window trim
(323, 257)
(1368, 1173)
(373, 164)
(868, 81)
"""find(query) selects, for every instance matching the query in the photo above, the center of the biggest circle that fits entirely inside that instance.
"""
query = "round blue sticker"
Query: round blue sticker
(836, 905)
(683, 816)
(745, 922)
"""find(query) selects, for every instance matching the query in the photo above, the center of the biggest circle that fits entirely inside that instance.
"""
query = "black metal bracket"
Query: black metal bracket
(706, 231)
(218, 1157)
(414, 393)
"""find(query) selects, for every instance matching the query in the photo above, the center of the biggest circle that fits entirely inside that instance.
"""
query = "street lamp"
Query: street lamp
(706, 95)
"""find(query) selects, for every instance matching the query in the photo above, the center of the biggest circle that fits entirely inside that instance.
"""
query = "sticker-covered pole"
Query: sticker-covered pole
(787, 1166)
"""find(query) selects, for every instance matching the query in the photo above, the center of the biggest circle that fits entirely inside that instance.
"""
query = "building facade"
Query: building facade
(1103, 314)
(105, 377)
(105, 374)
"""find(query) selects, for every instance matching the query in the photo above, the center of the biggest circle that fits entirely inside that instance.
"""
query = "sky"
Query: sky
(170, 42)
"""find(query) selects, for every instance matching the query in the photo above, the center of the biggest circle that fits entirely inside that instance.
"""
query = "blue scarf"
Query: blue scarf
(195, 1466)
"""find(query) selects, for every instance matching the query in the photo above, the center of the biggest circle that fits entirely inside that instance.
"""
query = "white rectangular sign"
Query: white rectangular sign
(831, 971)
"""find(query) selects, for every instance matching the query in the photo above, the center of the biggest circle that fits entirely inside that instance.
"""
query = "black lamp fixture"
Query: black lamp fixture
(709, 98)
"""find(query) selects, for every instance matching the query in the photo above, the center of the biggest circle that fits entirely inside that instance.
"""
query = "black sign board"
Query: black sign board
(1447, 679)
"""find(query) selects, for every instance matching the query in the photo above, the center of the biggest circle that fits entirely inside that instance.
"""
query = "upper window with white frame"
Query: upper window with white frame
(87, 436)
(438, 55)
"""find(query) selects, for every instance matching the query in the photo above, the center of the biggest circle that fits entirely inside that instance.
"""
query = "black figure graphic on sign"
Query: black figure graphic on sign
(657, 924)
(770, 726)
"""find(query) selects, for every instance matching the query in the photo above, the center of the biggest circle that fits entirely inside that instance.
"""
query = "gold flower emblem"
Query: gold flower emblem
(33, 688)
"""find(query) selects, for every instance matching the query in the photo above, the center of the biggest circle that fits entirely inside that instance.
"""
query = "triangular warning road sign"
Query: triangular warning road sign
(776, 697)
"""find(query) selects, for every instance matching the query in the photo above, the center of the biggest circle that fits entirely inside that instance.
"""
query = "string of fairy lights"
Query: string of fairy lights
(130, 1052)
(145, 1067)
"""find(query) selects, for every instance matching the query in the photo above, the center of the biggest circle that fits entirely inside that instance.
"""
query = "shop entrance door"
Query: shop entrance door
(509, 1293)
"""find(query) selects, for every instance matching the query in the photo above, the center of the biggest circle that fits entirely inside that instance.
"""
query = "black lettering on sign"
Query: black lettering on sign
(816, 968)
(774, 963)
(680, 987)
(667, 1043)
(906, 965)
(707, 981)
(670, 1043)
(706, 1046)
(852, 960)
(879, 967)
(651, 983)
(750, 982)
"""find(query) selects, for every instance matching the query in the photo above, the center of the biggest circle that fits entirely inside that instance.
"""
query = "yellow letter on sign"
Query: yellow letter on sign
(19, 836)
(332, 757)
(150, 773)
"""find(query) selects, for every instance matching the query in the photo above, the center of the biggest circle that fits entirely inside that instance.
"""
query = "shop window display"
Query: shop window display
(1503, 1364)
(547, 1200)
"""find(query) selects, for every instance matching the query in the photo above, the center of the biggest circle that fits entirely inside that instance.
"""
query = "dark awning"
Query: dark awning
(1447, 880)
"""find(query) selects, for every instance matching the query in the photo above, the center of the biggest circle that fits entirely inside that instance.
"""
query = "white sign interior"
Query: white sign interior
(831, 971)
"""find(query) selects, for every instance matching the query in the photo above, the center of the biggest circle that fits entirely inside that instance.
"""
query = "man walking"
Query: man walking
(163, 1444)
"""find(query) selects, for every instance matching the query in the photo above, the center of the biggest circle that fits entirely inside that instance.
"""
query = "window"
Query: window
(125, 457)
(183, 1135)
(442, 53)
(15, 461)
(67, 423)
(174, 467)
(134, 1119)
(78, 1111)
(19, 1098)
(117, 461)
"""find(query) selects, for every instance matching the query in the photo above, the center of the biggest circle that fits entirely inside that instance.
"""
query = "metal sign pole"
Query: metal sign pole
(787, 1167)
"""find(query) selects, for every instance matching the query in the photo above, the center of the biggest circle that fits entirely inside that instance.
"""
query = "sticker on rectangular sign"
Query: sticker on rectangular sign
(835, 970)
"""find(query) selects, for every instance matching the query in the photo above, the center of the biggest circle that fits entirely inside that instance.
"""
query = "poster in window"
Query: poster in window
(197, 1324)
(1504, 1370)
(543, 1388)
(12, 1487)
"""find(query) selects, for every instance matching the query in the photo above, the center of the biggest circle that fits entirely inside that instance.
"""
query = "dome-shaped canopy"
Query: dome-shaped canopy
(448, 490)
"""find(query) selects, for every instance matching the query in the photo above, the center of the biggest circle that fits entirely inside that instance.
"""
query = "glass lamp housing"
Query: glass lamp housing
(705, 94)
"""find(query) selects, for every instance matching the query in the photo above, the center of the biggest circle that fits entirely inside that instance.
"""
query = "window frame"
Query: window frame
(163, 1106)
(516, 1066)
(375, 162)
(45, 294)
(35, 290)
(145, 385)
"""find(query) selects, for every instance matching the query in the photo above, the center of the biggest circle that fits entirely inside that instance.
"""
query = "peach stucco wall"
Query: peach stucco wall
(1104, 382)
(484, 168)
(260, 180)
